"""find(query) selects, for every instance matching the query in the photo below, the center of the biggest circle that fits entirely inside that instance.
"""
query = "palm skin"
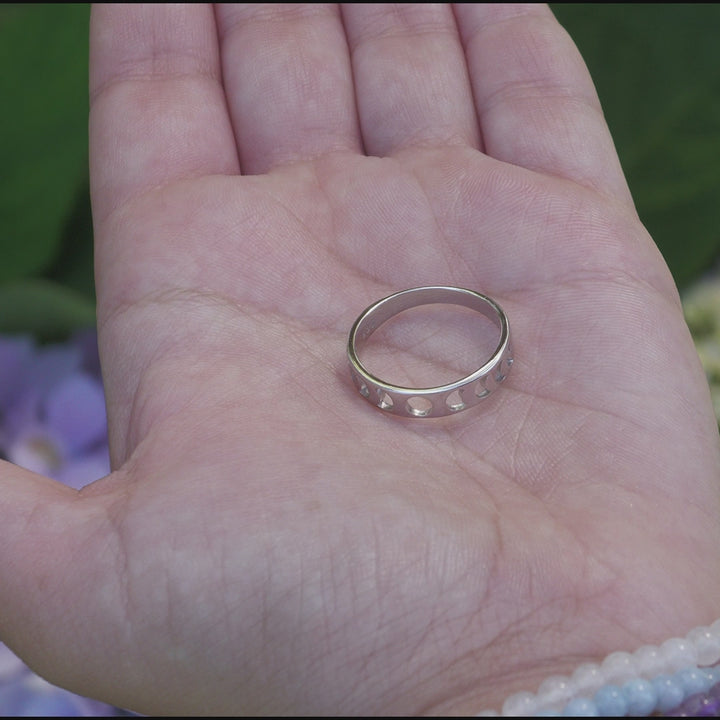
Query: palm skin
(269, 542)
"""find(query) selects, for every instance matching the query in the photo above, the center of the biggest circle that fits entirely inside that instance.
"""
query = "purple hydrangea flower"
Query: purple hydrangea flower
(24, 694)
(52, 421)
(52, 409)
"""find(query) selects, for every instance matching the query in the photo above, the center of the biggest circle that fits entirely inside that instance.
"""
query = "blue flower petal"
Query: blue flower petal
(75, 411)
(37, 449)
(79, 472)
(51, 364)
(15, 357)
(11, 666)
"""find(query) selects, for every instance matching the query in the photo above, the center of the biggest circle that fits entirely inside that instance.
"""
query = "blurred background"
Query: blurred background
(657, 71)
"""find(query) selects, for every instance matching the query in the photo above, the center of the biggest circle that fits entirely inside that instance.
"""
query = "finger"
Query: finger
(535, 99)
(45, 540)
(411, 81)
(157, 109)
(287, 72)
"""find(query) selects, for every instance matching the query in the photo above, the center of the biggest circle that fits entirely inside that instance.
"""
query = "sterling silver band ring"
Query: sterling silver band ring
(430, 401)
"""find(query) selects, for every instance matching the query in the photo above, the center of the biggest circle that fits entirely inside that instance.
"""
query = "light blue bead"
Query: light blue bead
(693, 680)
(641, 697)
(670, 692)
(713, 674)
(581, 707)
(610, 701)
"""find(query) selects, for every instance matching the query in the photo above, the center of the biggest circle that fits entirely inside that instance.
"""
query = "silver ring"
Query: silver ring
(430, 401)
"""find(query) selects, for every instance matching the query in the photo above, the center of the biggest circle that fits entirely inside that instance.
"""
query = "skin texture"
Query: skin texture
(270, 543)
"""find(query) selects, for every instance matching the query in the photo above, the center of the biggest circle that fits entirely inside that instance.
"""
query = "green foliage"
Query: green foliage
(44, 54)
(44, 309)
(657, 71)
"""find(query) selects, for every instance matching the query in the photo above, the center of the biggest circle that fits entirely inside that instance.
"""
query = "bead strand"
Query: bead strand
(700, 705)
(700, 648)
(694, 701)
(640, 697)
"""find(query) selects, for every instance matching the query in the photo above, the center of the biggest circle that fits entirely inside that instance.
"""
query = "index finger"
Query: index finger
(157, 105)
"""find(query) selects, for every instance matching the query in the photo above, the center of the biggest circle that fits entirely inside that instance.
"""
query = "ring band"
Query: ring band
(430, 401)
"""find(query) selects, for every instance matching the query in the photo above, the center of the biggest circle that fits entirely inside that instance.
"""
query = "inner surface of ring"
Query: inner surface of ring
(438, 343)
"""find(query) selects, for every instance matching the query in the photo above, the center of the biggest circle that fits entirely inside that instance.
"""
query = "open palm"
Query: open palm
(269, 542)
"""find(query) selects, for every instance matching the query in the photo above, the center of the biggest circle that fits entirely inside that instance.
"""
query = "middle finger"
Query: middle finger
(411, 80)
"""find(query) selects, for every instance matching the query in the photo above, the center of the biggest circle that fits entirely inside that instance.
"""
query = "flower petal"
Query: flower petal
(75, 411)
(15, 357)
(79, 472)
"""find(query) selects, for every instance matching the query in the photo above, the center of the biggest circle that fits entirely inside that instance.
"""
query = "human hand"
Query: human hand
(268, 542)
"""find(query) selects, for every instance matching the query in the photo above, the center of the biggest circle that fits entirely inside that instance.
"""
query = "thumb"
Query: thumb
(51, 592)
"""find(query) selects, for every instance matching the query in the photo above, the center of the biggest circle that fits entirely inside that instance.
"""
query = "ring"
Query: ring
(429, 401)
